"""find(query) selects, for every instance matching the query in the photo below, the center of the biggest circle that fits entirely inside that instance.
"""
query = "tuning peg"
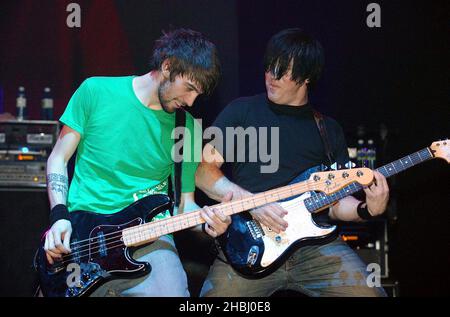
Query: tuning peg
(334, 166)
(350, 164)
(323, 167)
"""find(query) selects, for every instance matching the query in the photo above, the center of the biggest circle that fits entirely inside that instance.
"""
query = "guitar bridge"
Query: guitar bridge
(255, 229)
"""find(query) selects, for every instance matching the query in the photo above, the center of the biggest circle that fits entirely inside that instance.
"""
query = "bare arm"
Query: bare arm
(345, 210)
(57, 240)
(208, 173)
(210, 179)
(57, 180)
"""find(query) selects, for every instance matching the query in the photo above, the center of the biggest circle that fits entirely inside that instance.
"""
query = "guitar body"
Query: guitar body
(101, 254)
(255, 251)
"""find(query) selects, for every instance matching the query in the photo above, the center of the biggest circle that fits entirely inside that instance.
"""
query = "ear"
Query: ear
(165, 68)
(303, 83)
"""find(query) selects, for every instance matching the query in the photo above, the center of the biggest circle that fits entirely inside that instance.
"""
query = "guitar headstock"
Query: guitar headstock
(332, 181)
(441, 149)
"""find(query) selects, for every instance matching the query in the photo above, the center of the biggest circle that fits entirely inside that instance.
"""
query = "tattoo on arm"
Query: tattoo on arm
(58, 183)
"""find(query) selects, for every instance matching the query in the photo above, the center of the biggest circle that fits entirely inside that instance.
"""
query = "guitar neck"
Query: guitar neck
(149, 231)
(320, 200)
(328, 182)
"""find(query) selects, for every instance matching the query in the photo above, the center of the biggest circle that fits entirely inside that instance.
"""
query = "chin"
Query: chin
(272, 97)
(168, 108)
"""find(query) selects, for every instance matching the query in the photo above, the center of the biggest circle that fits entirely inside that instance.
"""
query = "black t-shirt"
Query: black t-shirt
(300, 144)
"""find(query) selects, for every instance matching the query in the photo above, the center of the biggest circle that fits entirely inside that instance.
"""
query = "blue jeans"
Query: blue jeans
(333, 269)
(167, 277)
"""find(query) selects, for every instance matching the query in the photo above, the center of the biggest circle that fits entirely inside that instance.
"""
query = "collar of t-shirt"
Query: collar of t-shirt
(305, 109)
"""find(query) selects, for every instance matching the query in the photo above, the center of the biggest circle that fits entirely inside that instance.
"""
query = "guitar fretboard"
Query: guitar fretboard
(329, 182)
(319, 200)
(146, 232)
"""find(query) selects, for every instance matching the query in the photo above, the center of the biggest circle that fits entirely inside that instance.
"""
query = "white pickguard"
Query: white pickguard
(300, 226)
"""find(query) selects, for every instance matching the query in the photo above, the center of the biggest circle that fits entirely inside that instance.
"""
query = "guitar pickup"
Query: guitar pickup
(102, 250)
(255, 229)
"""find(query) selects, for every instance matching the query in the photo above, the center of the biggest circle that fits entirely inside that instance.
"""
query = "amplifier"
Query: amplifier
(391, 287)
(370, 241)
(24, 150)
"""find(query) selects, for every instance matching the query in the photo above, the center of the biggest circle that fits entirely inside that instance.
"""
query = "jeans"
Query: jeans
(167, 277)
(333, 269)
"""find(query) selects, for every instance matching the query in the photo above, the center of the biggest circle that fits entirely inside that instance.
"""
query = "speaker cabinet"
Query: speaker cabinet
(23, 219)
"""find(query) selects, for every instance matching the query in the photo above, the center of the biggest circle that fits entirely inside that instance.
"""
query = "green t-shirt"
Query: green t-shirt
(125, 149)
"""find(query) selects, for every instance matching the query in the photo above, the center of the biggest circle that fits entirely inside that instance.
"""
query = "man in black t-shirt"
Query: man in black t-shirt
(293, 63)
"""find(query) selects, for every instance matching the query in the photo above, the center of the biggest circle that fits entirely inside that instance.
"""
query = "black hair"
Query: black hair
(190, 54)
(294, 45)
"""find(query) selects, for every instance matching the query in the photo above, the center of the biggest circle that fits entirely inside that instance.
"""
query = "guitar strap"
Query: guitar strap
(180, 121)
(323, 135)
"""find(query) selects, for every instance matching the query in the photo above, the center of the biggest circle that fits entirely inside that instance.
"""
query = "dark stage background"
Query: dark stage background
(396, 75)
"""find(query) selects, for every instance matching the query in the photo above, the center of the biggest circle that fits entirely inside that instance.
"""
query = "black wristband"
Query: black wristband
(59, 212)
(363, 212)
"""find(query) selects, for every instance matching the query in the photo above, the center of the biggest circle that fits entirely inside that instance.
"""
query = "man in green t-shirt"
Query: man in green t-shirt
(121, 128)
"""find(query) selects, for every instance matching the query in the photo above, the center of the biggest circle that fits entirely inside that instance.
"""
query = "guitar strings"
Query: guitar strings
(112, 244)
(228, 205)
(195, 214)
(411, 157)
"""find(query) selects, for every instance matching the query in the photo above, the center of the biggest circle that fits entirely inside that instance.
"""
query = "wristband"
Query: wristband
(363, 212)
(59, 212)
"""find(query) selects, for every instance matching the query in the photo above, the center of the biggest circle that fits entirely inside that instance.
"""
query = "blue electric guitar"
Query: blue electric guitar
(255, 251)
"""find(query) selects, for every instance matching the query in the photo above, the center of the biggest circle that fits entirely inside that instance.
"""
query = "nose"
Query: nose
(191, 98)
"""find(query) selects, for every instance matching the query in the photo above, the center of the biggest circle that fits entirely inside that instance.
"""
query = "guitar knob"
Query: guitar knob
(71, 292)
(86, 277)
